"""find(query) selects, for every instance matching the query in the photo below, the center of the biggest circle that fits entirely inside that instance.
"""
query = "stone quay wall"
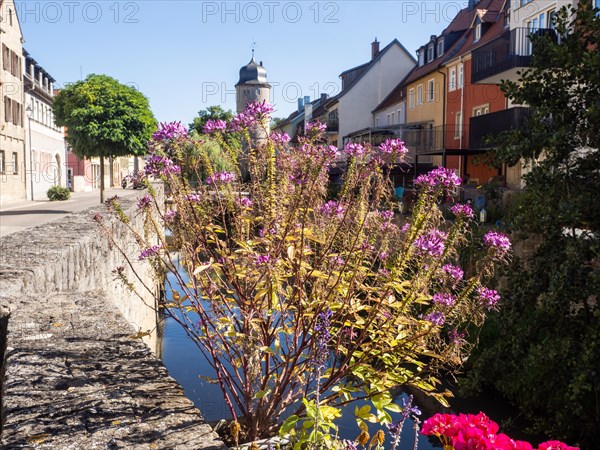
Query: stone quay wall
(75, 374)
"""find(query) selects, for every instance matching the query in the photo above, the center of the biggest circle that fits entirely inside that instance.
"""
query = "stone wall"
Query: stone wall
(76, 376)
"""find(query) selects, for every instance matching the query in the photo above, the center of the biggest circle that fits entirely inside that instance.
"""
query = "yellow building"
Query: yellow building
(12, 110)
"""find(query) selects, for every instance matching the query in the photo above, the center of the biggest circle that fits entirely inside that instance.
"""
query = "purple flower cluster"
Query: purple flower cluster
(245, 202)
(489, 297)
(337, 260)
(455, 272)
(462, 210)
(241, 121)
(149, 252)
(323, 334)
(220, 177)
(193, 198)
(498, 242)
(440, 177)
(258, 110)
(333, 208)
(262, 259)
(387, 215)
(436, 318)
(432, 243)
(354, 149)
(444, 299)
(391, 146)
(161, 165)
(315, 128)
(144, 202)
(169, 130)
(456, 336)
(170, 216)
(213, 126)
(280, 137)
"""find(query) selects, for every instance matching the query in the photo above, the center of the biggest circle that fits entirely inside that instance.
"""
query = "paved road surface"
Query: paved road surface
(26, 214)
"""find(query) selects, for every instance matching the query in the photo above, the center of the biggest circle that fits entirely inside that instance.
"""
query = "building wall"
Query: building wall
(523, 13)
(248, 93)
(80, 178)
(47, 149)
(356, 105)
(428, 110)
(462, 104)
(393, 115)
(12, 137)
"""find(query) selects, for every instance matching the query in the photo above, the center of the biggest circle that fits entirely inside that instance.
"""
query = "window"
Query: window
(481, 110)
(419, 95)
(430, 51)
(458, 126)
(477, 32)
(551, 16)
(597, 5)
(376, 121)
(411, 98)
(2, 161)
(398, 116)
(421, 57)
(461, 76)
(15, 163)
(452, 79)
(440, 47)
(430, 90)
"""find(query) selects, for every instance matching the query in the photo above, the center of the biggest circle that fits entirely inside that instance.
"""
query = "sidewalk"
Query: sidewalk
(18, 216)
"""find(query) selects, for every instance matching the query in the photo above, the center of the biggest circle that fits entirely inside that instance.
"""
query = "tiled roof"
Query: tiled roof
(493, 16)
(371, 63)
(463, 21)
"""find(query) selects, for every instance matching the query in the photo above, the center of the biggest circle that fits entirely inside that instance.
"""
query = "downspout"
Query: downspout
(444, 116)
(462, 103)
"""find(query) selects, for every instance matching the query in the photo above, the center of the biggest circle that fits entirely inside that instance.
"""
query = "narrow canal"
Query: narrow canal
(186, 364)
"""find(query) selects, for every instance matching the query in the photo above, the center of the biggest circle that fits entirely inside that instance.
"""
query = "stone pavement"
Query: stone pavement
(76, 375)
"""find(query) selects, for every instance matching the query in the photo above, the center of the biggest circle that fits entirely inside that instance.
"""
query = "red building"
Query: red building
(465, 145)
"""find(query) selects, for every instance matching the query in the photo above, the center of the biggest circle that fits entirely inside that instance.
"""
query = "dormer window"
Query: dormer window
(477, 32)
(440, 47)
(430, 52)
(421, 57)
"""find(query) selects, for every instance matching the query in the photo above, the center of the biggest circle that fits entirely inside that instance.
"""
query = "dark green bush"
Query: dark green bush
(58, 193)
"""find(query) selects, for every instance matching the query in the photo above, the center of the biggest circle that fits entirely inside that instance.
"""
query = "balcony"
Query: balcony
(333, 125)
(503, 57)
(494, 123)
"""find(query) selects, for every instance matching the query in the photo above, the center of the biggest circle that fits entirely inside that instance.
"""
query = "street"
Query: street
(22, 215)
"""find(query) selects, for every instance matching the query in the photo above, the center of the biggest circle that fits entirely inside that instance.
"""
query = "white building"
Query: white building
(364, 87)
(45, 155)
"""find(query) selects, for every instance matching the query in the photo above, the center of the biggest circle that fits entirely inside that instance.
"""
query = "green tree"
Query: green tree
(543, 350)
(211, 113)
(104, 118)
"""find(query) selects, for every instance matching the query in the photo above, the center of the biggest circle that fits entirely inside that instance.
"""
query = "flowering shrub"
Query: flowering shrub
(478, 432)
(302, 303)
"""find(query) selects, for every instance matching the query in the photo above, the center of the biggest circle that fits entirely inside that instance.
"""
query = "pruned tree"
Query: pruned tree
(104, 118)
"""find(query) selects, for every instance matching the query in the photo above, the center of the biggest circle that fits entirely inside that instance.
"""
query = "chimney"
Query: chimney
(306, 99)
(300, 104)
(323, 97)
(472, 4)
(374, 48)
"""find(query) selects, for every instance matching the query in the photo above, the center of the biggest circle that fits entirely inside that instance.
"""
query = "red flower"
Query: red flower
(441, 425)
(555, 445)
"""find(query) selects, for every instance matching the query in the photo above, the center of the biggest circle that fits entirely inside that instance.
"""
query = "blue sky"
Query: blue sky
(186, 55)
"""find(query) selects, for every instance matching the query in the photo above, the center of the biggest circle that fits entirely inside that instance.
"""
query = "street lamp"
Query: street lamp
(29, 112)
